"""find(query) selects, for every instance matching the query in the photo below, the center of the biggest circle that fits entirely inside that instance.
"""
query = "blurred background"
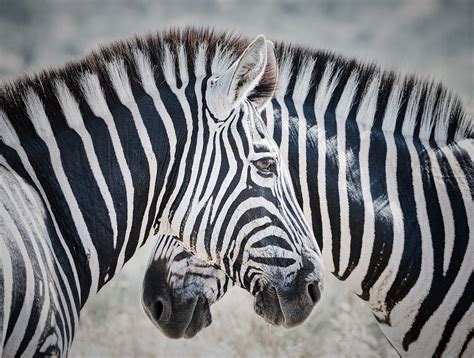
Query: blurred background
(433, 38)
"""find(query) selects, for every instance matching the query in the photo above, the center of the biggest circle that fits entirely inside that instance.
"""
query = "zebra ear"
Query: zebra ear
(240, 80)
(266, 88)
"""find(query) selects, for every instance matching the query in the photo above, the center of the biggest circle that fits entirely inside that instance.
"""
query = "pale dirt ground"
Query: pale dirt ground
(433, 38)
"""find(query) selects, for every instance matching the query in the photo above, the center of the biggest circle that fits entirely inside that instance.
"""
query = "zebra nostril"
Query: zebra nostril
(157, 310)
(256, 288)
(314, 292)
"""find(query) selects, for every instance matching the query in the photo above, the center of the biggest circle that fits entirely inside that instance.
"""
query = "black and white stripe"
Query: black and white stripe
(138, 139)
(184, 271)
(382, 168)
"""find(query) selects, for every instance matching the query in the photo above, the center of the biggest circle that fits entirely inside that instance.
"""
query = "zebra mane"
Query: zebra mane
(374, 97)
(418, 108)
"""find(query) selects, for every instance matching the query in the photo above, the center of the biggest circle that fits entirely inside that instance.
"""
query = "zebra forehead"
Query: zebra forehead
(197, 52)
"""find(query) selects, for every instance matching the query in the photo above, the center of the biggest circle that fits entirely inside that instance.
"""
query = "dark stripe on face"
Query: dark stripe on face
(236, 179)
(203, 166)
(270, 241)
(264, 242)
(224, 169)
(209, 171)
(249, 277)
(245, 217)
(295, 224)
(197, 224)
(272, 261)
(238, 258)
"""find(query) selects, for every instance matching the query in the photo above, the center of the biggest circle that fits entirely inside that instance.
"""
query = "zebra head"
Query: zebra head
(238, 209)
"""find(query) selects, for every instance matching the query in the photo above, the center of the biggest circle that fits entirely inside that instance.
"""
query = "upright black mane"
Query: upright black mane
(444, 111)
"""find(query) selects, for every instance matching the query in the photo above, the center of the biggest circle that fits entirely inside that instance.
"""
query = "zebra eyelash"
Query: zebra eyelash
(266, 166)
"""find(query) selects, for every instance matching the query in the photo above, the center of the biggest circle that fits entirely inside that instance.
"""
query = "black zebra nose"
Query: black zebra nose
(176, 313)
(289, 303)
(160, 309)
(157, 310)
(314, 292)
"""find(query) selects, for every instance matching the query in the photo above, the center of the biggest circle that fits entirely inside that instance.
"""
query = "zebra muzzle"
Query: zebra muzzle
(182, 319)
(288, 307)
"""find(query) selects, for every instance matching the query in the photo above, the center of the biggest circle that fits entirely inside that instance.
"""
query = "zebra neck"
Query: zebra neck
(368, 188)
(344, 178)
(100, 159)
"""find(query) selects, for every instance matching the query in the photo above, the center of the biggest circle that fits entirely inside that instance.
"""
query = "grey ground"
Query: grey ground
(433, 38)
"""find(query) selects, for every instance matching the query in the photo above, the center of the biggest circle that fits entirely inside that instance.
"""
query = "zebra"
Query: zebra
(155, 135)
(382, 168)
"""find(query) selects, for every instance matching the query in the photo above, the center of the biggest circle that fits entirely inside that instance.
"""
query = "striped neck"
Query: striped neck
(101, 155)
(368, 152)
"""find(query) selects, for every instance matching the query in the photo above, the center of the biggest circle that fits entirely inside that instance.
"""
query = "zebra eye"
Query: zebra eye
(266, 165)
